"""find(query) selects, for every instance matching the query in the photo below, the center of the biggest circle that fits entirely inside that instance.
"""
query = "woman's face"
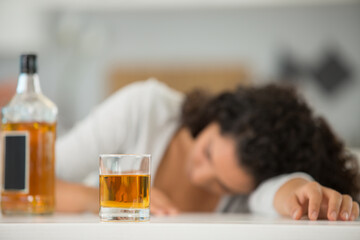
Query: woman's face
(213, 164)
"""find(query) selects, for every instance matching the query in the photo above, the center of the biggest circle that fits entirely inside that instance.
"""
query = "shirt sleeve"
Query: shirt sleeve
(261, 200)
(105, 130)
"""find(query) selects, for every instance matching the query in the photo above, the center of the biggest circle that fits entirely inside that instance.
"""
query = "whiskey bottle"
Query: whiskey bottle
(28, 132)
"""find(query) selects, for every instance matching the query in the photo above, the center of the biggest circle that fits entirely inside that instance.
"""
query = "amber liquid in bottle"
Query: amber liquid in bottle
(28, 129)
(40, 196)
(124, 191)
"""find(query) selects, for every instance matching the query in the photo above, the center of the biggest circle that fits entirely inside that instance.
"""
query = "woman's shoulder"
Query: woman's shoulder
(152, 87)
(149, 92)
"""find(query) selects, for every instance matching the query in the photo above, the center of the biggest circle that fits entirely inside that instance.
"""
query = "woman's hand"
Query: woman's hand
(299, 197)
(161, 204)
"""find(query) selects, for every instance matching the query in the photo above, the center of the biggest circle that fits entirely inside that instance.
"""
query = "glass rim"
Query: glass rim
(124, 155)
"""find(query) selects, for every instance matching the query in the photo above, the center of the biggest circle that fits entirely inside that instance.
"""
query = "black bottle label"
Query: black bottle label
(16, 161)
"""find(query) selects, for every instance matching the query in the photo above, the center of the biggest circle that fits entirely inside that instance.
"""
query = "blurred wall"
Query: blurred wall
(79, 47)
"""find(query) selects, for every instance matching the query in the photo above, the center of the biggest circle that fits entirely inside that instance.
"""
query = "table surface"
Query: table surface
(184, 226)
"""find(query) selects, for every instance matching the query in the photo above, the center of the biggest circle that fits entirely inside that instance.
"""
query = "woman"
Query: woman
(257, 149)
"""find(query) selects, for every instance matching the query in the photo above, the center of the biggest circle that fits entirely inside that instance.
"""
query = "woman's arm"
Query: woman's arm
(77, 153)
(74, 197)
(78, 198)
(115, 126)
(299, 197)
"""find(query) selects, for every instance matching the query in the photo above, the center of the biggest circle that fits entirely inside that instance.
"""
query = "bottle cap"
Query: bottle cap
(28, 63)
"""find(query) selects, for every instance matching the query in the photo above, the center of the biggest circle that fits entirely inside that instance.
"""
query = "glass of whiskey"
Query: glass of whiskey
(124, 189)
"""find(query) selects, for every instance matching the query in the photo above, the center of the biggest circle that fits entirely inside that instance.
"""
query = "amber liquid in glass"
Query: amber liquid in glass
(124, 191)
(41, 196)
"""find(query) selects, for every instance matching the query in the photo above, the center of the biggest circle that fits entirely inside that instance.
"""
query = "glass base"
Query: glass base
(124, 214)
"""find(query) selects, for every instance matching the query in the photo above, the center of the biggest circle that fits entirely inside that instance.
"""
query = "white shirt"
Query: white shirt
(141, 118)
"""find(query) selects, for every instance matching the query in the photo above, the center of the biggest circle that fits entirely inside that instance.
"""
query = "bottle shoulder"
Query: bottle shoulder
(29, 107)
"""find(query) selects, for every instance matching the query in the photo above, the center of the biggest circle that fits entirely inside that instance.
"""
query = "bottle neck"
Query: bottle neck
(28, 83)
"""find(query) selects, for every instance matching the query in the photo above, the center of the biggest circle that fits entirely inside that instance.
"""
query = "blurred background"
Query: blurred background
(88, 49)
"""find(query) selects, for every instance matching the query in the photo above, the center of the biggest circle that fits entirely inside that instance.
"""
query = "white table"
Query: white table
(186, 226)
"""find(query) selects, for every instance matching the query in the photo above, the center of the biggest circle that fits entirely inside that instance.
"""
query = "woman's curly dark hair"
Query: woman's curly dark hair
(276, 133)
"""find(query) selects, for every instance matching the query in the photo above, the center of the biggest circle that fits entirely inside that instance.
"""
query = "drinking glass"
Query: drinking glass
(124, 187)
